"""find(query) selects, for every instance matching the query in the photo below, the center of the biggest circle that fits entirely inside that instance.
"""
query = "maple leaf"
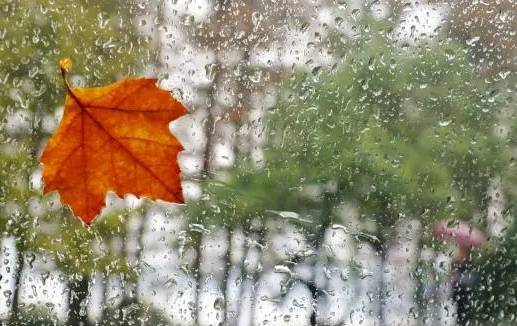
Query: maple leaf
(113, 138)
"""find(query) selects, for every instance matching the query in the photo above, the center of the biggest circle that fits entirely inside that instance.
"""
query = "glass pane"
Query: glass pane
(343, 162)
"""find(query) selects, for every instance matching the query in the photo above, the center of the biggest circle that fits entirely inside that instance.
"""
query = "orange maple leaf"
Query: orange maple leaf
(113, 138)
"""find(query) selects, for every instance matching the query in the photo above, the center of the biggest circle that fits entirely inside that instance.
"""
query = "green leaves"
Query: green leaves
(400, 133)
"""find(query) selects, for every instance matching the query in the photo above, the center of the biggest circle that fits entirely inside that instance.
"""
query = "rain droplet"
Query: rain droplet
(219, 303)
(444, 123)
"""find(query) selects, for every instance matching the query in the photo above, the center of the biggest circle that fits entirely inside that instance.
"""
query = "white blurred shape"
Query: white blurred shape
(272, 307)
(420, 23)
(18, 123)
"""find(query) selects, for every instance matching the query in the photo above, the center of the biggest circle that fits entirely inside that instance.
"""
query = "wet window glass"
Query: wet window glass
(294, 162)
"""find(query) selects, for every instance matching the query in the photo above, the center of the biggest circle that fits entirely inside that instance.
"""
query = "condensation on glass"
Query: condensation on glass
(346, 163)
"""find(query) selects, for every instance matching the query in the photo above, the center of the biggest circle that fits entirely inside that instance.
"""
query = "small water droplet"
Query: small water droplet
(444, 123)
(219, 303)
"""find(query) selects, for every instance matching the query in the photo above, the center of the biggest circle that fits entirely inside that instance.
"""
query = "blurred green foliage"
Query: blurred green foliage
(130, 315)
(493, 297)
(399, 133)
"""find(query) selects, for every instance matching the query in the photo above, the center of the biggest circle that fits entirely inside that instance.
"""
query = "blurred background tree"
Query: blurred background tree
(400, 133)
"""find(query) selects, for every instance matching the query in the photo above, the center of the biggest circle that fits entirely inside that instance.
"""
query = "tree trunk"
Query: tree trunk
(78, 300)
(226, 273)
(326, 213)
(130, 287)
(20, 263)
(104, 301)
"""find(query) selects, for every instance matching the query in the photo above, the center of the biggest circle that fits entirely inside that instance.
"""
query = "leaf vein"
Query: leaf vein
(136, 159)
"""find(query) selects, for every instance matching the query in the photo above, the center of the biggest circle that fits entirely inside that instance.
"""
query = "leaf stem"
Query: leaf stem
(65, 65)
(65, 81)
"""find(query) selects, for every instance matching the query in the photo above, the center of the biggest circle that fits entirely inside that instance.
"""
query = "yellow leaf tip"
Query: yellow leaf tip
(65, 64)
